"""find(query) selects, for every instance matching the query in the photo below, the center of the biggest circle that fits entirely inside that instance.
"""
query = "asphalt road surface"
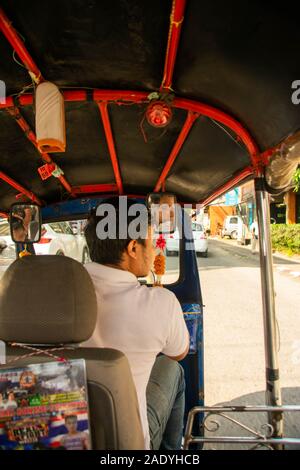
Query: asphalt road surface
(234, 338)
(233, 329)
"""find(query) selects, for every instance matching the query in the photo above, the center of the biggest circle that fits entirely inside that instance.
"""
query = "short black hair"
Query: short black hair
(109, 251)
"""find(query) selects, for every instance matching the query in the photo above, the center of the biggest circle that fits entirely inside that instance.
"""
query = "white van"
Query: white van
(231, 226)
(235, 228)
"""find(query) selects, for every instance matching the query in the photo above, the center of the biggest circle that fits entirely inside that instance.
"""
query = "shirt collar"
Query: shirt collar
(106, 273)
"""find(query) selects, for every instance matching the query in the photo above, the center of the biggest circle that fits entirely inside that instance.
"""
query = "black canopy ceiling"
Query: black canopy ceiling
(239, 56)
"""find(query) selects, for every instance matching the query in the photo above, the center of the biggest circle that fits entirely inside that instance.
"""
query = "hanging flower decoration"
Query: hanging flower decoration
(161, 242)
(160, 264)
(160, 260)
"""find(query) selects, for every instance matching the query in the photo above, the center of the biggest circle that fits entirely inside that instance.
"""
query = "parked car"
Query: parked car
(231, 226)
(7, 247)
(57, 239)
(200, 240)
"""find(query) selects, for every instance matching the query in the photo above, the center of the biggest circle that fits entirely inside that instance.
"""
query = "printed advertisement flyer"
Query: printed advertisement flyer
(44, 406)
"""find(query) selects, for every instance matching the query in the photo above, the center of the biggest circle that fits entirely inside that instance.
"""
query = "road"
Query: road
(233, 327)
(233, 332)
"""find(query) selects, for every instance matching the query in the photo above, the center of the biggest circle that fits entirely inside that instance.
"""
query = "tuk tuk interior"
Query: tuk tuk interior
(219, 79)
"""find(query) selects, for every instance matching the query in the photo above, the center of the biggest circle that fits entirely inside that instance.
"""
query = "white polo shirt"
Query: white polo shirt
(139, 321)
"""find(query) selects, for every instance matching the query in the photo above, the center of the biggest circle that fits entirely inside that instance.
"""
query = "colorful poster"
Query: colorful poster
(44, 406)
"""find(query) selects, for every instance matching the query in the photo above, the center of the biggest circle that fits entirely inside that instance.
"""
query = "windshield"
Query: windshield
(57, 238)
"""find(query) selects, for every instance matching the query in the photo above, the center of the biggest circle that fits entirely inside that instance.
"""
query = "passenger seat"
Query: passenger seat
(50, 301)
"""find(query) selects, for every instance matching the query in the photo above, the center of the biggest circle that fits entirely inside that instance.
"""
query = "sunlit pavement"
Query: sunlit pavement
(233, 329)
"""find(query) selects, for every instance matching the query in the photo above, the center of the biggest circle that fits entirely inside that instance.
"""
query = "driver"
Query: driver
(20, 222)
(141, 322)
(24, 224)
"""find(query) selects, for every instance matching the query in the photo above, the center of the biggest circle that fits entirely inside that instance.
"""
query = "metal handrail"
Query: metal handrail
(258, 440)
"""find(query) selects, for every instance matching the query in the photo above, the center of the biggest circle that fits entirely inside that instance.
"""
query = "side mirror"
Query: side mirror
(162, 208)
(25, 223)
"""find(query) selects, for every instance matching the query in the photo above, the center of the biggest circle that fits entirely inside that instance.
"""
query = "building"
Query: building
(284, 208)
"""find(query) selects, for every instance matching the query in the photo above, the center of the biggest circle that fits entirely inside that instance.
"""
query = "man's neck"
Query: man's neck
(121, 267)
(116, 266)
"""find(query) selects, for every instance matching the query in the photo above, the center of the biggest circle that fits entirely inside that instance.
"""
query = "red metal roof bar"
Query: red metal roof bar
(20, 188)
(228, 186)
(176, 19)
(111, 145)
(18, 45)
(119, 96)
(223, 118)
(191, 117)
(15, 112)
(95, 188)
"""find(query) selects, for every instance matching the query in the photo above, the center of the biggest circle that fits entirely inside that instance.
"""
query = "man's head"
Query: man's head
(130, 248)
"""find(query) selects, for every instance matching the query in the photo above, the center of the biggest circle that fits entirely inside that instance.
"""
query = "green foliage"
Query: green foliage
(296, 180)
(286, 238)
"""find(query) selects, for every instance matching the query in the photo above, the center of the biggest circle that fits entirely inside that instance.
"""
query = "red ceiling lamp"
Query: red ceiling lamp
(159, 113)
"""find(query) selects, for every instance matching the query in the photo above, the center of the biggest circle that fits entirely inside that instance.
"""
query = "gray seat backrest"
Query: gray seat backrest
(50, 301)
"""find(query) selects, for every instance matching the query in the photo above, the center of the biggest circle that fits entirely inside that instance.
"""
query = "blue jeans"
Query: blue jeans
(165, 404)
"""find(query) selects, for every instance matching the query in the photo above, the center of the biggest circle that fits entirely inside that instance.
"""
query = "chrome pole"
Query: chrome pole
(273, 391)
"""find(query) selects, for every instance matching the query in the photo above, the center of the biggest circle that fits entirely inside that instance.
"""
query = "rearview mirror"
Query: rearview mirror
(25, 223)
(162, 207)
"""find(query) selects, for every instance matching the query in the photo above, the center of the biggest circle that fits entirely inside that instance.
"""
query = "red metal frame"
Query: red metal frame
(191, 117)
(120, 97)
(111, 145)
(136, 97)
(15, 112)
(176, 19)
(95, 188)
(14, 184)
(246, 172)
(223, 118)
(18, 45)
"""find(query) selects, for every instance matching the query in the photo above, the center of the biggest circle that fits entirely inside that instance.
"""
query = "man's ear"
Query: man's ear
(131, 248)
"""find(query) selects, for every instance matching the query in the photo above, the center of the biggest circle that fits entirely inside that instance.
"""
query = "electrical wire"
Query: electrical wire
(228, 133)
(16, 60)
(153, 275)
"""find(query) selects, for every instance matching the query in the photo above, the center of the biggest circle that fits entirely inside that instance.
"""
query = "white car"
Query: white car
(7, 247)
(57, 239)
(200, 240)
(231, 226)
